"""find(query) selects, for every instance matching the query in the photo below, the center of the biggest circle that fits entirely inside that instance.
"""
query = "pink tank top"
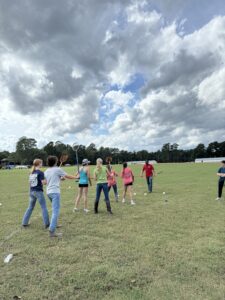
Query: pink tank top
(127, 175)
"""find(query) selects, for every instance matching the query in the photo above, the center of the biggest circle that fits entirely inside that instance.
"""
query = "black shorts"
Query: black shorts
(130, 183)
(83, 185)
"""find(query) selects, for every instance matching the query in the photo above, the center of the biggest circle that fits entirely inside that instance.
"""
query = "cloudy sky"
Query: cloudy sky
(132, 74)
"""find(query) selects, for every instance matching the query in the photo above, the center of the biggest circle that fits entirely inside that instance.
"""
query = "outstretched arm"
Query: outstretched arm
(70, 177)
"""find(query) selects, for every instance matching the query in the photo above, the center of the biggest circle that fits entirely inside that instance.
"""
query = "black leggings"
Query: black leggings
(220, 188)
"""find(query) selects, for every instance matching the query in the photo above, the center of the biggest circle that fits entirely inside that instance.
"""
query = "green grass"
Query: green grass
(153, 250)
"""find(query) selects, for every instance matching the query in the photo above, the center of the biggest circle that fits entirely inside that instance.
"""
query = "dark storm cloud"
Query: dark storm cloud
(58, 37)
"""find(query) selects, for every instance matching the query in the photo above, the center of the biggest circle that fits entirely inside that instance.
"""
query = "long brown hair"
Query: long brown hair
(37, 162)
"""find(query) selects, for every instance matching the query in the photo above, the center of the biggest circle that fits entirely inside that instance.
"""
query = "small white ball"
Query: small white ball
(164, 193)
(145, 194)
(0, 204)
(135, 194)
(69, 187)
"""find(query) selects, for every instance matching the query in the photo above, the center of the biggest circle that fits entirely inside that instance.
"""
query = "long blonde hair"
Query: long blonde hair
(37, 162)
(99, 162)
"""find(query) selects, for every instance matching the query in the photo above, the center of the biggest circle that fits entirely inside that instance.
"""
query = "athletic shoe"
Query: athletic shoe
(218, 198)
(123, 201)
(75, 209)
(132, 202)
(86, 210)
(54, 235)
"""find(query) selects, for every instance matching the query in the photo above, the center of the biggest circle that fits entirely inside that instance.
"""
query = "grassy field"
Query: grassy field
(152, 250)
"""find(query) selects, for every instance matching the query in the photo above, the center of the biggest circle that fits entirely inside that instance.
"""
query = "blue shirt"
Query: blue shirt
(221, 170)
(35, 180)
(83, 177)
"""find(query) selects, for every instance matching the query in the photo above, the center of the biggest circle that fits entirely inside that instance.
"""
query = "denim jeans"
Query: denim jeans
(55, 200)
(149, 183)
(220, 188)
(114, 189)
(34, 196)
(99, 188)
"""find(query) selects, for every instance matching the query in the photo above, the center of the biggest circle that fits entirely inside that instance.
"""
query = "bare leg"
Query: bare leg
(85, 192)
(77, 201)
(130, 192)
(124, 193)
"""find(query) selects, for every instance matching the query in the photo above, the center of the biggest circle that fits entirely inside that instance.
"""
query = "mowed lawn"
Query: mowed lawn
(153, 250)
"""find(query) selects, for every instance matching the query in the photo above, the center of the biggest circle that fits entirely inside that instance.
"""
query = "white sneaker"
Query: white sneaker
(132, 202)
(123, 201)
(75, 209)
(86, 210)
(218, 198)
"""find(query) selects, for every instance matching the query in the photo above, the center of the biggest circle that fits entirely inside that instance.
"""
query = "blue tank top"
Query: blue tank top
(83, 177)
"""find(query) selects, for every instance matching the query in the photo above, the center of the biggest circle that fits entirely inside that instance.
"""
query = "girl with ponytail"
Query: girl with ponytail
(36, 181)
(128, 179)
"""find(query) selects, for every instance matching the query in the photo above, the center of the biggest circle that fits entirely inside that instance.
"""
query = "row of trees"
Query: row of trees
(27, 150)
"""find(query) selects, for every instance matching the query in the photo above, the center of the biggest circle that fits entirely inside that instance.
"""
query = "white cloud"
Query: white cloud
(212, 89)
(56, 70)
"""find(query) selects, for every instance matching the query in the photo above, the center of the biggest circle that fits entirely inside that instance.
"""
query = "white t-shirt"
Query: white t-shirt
(53, 177)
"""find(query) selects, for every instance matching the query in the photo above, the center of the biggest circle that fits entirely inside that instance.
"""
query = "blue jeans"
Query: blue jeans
(34, 196)
(114, 189)
(149, 183)
(55, 200)
(99, 188)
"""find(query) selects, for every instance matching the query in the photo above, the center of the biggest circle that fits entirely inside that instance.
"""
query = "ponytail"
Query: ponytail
(37, 162)
(124, 167)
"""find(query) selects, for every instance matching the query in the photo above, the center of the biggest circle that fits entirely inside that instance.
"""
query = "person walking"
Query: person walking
(128, 179)
(149, 173)
(221, 174)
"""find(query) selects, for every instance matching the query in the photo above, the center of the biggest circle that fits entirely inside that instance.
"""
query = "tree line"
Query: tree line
(27, 150)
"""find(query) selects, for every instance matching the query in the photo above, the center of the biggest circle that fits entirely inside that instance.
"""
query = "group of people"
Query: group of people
(105, 177)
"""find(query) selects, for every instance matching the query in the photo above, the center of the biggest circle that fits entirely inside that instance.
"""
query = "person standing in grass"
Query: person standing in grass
(149, 173)
(36, 180)
(221, 174)
(111, 178)
(53, 176)
(100, 175)
(128, 179)
(84, 178)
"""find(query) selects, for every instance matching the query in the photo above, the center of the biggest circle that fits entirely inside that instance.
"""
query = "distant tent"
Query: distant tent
(6, 164)
(141, 162)
(209, 160)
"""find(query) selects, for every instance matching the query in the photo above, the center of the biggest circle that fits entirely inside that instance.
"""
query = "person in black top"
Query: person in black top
(36, 180)
(221, 174)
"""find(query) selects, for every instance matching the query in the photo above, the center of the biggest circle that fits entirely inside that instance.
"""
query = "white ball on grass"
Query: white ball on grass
(145, 194)
(164, 193)
(135, 194)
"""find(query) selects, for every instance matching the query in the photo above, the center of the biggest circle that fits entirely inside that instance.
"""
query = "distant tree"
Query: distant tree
(4, 154)
(213, 150)
(200, 151)
(26, 150)
(50, 148)
(91, 152)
